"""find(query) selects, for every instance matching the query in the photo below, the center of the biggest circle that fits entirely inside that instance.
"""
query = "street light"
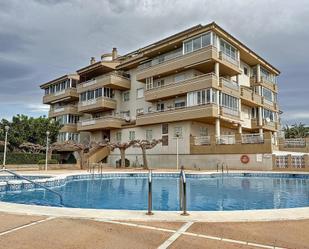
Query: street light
(5, 144)
(46, 158)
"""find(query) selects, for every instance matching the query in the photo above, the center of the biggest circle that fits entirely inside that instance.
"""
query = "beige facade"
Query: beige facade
(201, 84)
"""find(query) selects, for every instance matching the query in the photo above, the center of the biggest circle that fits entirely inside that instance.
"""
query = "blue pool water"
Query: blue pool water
(217, 193)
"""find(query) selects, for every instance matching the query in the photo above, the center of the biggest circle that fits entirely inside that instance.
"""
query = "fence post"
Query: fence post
(290, 161)
(274, 161)
(306, 159)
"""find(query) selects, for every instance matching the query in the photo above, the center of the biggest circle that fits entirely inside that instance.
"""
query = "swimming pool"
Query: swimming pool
(209, 192)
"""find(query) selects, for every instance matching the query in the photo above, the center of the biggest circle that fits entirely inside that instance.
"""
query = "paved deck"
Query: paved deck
(35, 232)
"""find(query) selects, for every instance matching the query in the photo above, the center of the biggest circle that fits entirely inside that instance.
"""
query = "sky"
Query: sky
(43, 39)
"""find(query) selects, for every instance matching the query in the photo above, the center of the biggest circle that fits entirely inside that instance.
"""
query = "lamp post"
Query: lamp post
(177, 150)
(5, 144)
(46, 158)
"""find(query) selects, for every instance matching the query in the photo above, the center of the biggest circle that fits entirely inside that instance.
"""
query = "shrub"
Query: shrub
(50, 161)
(25, 158)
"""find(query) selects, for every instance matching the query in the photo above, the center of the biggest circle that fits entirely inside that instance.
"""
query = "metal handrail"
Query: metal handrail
(35, 183)
(150, 193)
(183, 193)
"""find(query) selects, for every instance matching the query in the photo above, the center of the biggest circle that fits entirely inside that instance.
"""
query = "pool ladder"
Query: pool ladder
(35, 183)
(223, 165)
(182, 193)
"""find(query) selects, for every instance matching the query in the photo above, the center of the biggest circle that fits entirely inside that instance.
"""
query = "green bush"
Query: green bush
(25, 158)
(50, 161)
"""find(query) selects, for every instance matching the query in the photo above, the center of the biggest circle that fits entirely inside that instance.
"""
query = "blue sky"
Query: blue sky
(53, 37)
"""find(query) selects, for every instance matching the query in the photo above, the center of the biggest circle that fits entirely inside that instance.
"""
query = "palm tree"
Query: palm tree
(296, 131)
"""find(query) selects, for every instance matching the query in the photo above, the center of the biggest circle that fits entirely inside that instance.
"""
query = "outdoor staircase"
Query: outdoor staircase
(98, 155)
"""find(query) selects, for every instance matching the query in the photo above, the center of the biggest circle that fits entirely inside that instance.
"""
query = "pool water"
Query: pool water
(203, 194)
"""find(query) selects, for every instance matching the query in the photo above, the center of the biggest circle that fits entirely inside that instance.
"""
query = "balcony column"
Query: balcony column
(239, 128)
(217, 70)
(260, 121)
(258, 72)
(218, 132)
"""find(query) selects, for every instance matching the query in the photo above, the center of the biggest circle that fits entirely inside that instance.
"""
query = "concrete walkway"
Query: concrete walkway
(35, 232)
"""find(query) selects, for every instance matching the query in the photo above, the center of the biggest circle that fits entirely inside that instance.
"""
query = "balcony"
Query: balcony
(270, 105)
(107, 122)
(179, 61)
(200, 112)
(182, 87)
(112, 80)
(271, 126)
(95, 105)
(264, 82)
(232, 144)
(229, 113)
(250, 98)
(229, 87)
(68, 109)
(69, 128)
(69, 94)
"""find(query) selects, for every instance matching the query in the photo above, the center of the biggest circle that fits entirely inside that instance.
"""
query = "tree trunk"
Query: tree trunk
(123, 158)
(145, 165)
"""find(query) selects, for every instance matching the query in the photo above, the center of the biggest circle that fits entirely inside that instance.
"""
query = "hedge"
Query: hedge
(25, 158)
(50, 161)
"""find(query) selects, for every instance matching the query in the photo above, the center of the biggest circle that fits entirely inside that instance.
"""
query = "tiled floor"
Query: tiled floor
(81, 233)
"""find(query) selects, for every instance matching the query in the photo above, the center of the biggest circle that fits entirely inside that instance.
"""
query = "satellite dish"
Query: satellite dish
(127, 118)
(267, 120)
(133, 118)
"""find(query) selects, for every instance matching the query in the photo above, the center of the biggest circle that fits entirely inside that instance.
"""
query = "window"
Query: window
(228, 49)
(160, 107)
(206, 40)
(179, 77)
(203, 131)
(118, 136)
(201, 97)
(131, 135)
(149, 83)
(196, 43)
(188, 48)
(178, 132)
(268, 114)
(159, 83)
(126, 96)
(267, 94)
(149, 135)
(229, 102)
(164, 128)
(180, 103)
(139, 111)
(140, 93)
(245, 71)
(165, 140)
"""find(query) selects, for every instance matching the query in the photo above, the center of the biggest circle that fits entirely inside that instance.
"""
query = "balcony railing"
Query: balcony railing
(252, 138)
(67, 94)
(228, 58)
(115, 80)
(104, 122)
(226, 139)
(228, 111)
(160, 60)
(202, 140)
(178, 113)
(229, 83)
(295, 143)
(173, 88)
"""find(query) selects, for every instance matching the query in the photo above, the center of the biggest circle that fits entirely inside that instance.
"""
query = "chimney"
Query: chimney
(92, 60)
(114, 53)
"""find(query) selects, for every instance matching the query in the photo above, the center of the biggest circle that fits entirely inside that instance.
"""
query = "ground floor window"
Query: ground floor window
(118, 136)
(149, 135)
(131, 135)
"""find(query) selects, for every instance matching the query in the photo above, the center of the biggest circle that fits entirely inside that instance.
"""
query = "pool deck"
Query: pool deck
(25, 226)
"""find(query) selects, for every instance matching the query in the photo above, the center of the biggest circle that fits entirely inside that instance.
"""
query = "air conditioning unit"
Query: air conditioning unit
(127, 118)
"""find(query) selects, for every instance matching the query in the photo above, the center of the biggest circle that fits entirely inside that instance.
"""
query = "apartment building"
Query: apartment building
(201, 89)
